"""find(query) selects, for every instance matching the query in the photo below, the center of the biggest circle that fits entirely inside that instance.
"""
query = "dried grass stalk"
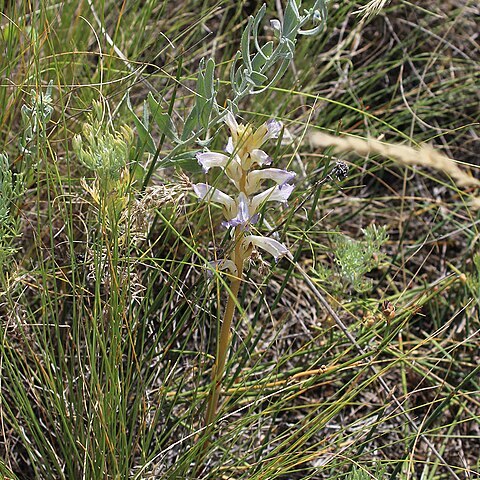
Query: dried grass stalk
(425, 155)
(371, 8)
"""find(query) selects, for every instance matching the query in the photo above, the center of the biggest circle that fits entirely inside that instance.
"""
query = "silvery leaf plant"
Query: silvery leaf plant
(255, 68)
(245, 164)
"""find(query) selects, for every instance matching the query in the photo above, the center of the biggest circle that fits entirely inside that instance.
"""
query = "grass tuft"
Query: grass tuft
(354, 358)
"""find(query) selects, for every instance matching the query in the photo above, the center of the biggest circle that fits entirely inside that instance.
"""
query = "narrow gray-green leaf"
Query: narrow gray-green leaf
(146, 142)
(163, 120)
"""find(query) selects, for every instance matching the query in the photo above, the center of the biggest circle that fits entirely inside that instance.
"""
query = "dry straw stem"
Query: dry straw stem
(371, 8)
(425, 156)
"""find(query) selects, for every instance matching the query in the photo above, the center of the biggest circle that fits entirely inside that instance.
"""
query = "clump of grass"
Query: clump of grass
(109, 323)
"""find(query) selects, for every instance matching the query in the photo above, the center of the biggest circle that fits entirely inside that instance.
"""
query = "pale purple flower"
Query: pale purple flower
(246, 143)
(238, 212)
(266, 131)
(274, 127)
(273, 194)
(274, 247)
(205, 192)
(242, 212)
(256, 157)
(222, 265)
(229, 147)
(208, 160)
(231, 122)
(276, 25)
(229, 163)
(256, 177)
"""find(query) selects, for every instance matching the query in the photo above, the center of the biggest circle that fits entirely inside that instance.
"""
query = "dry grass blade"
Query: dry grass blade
(372, 8)
(425, 155)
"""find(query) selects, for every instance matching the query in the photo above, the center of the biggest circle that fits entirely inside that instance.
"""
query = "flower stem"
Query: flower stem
(225, 332)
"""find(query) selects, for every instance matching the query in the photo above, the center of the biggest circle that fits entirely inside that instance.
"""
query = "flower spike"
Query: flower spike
(243, 151)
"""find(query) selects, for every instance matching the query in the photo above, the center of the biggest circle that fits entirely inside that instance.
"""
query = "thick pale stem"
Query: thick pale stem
(225, 331)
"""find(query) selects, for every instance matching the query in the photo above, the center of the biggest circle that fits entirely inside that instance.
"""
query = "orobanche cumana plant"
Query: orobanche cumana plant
(241, 167)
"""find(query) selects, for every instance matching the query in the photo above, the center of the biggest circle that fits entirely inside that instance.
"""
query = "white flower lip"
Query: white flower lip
(229, 147)
(273, 194)
(209, 160)
(222, 264)
(256, 177)
(260, 157)
(276, 25)
(231, 122)
(274, 127)
(204, 191)
(230, 164)
(242, 212)
(270, 245)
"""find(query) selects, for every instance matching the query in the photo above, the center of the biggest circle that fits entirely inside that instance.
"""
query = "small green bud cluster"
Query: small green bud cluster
(107, 154)
(35, 118)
